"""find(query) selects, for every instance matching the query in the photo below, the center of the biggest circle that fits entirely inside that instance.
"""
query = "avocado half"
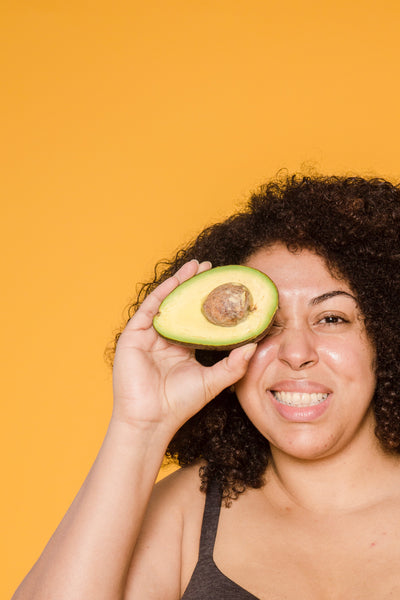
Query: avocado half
(219, 309)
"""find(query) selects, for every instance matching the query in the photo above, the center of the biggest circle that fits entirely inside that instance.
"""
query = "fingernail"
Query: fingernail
(251, 348)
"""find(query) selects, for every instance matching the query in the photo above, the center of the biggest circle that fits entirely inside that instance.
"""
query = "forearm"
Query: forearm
(90, 552)
(158, 386)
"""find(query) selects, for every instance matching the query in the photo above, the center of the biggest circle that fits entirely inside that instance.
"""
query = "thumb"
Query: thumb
(227, 371)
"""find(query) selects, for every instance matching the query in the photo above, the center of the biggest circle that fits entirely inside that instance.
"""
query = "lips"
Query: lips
(300, 406)
(300, 393)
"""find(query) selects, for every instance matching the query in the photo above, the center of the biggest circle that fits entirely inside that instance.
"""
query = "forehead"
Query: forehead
(300, 272)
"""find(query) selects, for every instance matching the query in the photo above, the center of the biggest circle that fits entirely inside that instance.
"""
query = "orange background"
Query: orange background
(127, 127)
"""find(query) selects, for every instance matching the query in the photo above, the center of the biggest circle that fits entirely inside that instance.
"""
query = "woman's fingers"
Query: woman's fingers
(143, 319)
(204, 266)
(228, 371)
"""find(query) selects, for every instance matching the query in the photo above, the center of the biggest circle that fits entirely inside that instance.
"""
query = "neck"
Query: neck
(352, 478)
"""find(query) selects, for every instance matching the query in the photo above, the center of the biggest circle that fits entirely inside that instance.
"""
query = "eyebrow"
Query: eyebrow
(328, 295)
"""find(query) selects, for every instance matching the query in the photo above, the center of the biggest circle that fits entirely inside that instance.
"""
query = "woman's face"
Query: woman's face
(309, 386)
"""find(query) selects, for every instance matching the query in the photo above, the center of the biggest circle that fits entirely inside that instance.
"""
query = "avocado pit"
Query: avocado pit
(227, 304)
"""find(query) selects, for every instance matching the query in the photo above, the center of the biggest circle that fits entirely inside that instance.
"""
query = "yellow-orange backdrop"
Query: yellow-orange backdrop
(127, 127)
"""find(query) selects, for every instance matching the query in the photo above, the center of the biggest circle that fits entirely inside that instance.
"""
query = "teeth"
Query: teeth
(299, 399)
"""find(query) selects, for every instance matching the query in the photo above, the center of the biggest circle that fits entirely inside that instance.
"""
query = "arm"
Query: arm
(167, 548)
(157, 387)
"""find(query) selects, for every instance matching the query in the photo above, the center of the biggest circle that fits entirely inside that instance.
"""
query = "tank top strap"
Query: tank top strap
(209, 525)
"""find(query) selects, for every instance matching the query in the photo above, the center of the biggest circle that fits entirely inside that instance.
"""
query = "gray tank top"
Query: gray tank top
(207, 580)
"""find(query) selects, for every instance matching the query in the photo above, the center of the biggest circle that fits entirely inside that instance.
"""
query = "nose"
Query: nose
(297, 349)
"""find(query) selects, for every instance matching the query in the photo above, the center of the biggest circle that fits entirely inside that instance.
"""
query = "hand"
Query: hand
(157, 383)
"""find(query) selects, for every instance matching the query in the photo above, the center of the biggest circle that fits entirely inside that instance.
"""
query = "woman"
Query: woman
(290, 447)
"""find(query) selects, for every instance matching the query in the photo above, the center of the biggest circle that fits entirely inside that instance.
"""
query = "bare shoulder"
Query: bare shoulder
(178, 496)
(180, 487)
(168, 542)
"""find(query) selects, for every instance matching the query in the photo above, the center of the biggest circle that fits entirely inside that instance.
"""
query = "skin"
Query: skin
(157, 386)
(326, 524)
(330, 505)
(318, 343)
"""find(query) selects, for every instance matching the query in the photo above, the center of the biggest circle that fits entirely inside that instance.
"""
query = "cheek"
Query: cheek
(338, 357)
(354, 360)
(258, 366)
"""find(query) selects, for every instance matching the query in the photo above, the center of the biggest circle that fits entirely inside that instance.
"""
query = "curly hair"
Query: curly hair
(353, 223)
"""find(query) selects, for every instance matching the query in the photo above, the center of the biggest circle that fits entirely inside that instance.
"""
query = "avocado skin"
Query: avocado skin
(184, 306)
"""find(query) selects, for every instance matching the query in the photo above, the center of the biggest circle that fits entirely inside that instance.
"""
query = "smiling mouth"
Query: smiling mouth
(299, 398)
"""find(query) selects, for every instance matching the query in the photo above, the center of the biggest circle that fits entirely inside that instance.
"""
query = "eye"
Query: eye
(332, 319)
(274, 328)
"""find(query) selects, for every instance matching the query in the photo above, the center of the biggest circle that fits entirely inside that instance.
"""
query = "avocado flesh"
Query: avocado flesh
(181, 319)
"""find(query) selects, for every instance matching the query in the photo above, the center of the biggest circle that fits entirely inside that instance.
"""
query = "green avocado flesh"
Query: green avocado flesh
(220, 309)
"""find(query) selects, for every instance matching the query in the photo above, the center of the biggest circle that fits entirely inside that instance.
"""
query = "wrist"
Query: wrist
(142, 438)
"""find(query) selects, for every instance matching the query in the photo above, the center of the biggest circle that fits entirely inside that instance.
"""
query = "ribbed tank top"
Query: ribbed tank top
(207, 581)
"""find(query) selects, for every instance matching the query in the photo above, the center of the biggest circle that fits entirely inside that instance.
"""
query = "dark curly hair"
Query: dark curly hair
(353, 223)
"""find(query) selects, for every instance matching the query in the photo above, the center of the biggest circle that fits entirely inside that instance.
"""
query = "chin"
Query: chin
(304, 447)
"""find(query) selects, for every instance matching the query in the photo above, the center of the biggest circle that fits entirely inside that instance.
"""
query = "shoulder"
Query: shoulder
(177, 497)
(177, 494)
(167, 547)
